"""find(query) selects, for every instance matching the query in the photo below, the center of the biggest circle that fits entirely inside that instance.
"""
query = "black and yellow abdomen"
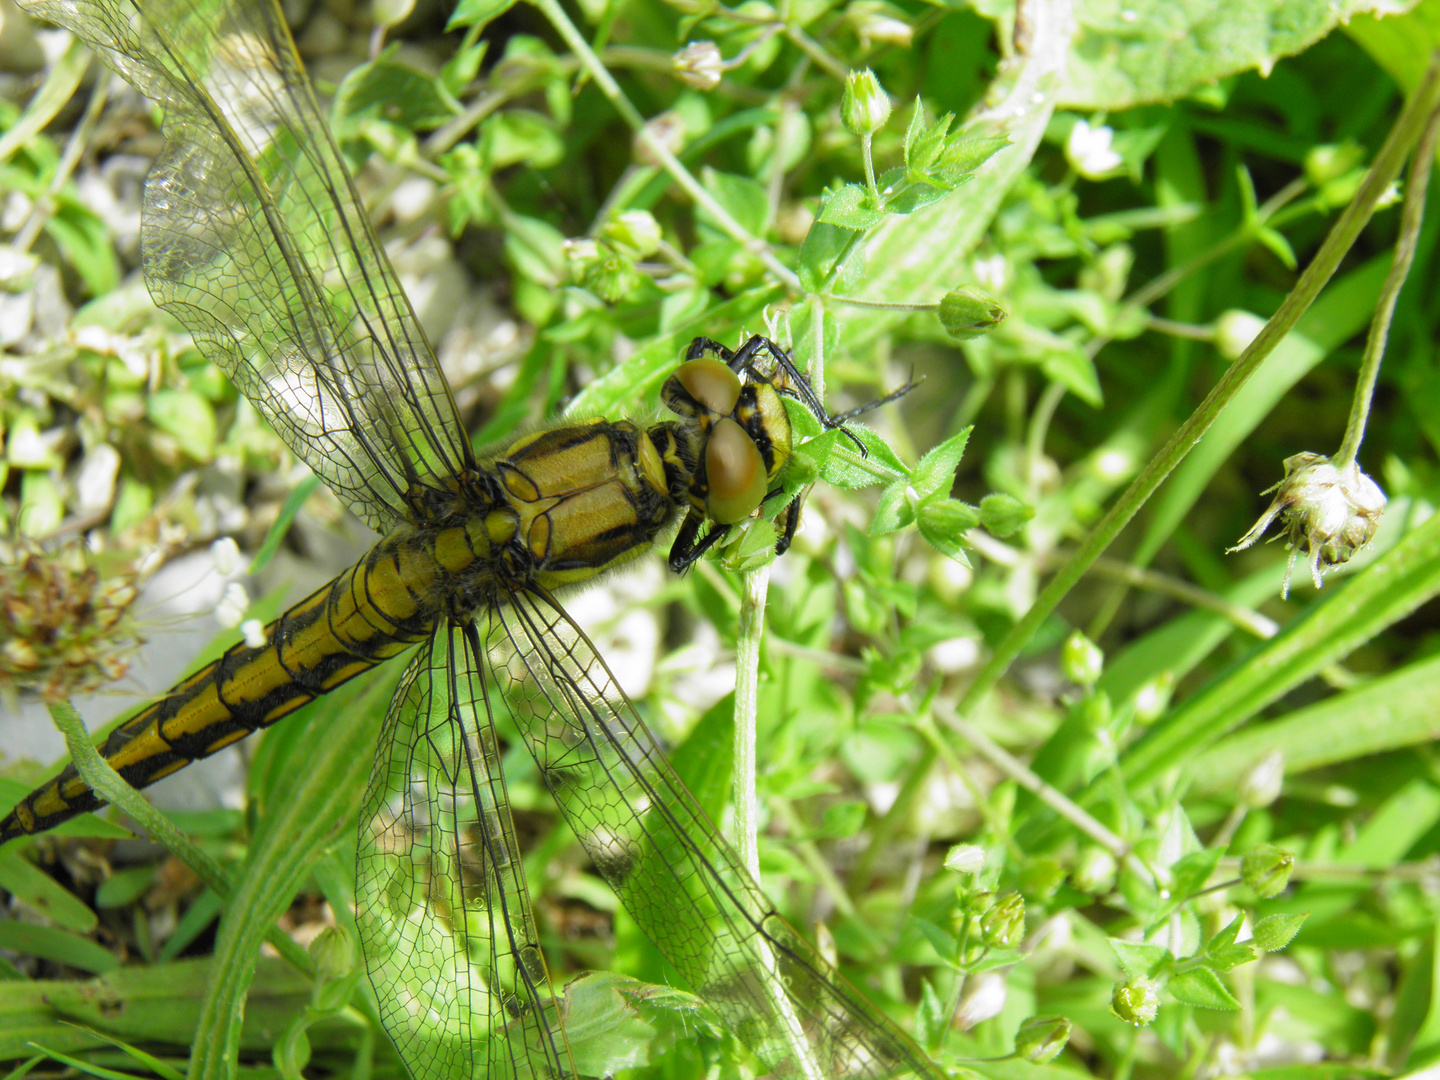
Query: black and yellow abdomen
(376, 609)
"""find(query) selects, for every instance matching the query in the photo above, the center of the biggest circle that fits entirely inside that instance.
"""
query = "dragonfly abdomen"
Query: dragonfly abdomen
(381, 606)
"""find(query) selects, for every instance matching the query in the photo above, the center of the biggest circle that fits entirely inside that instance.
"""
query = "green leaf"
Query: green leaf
(1192, 872)
(59, 946)
(934, 474)
(1138, 958)
(520, 137)
(830, 256)
(614, 1022)
(188, 417)
(944, 525)
(850, 208)
(1275, 932)
(386, 89)
(895, 510)
(843, 820)
(124, 886)
(1072, 368)
(477, 13)
(743, 197)
(931, 1018)
(942, 941)
(462, 68)
(1203, 989)
(1231, 956)
(1157, 51)
(41, 893)
(924, 143)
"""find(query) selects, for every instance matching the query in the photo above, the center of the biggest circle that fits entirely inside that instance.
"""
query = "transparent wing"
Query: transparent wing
(443, 910)
(255, 239)
(676, 876)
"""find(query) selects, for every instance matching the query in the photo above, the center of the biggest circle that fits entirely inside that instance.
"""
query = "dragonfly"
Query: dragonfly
(255, 238)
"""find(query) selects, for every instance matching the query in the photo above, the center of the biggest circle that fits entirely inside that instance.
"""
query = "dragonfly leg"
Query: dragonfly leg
(687, 550)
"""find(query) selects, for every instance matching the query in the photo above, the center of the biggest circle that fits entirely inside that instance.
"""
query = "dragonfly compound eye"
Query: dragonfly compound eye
(705, 386)
(735, 473)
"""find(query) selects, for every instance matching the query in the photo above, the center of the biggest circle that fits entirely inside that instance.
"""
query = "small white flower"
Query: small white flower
(232, 605)
(225, 555)
(984, 999)
(1089, 150)
(254, 633)
(992, 272)
(1260, 785)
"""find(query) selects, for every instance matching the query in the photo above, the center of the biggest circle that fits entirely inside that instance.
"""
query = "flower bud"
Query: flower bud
(879, 23)
(976, 902)
(1331, 161)
(699, 65)
(970, 312)
(333, 954)
(1136, 1002)
(1003, 925)
(1004, 515)
(965, 859)
(1235, 330)
(1094, 871)
(1152, 697)
(1041, 1039)
(580, 253)
(1327, 511)
(1097, 714)
(1267, 870)
(232, 605)
(613, 278)
(865, 107)
(636, 232)
(668, 129)
(1261, 783)
(1081, 659)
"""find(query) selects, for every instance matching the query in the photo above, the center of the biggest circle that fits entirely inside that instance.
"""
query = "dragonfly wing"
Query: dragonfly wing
(443, 909)
(682, 883)
(255, 239)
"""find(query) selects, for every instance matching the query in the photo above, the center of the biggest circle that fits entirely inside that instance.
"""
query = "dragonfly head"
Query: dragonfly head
(740, 433)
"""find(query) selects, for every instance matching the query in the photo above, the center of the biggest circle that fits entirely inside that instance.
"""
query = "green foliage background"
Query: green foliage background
(907, 703)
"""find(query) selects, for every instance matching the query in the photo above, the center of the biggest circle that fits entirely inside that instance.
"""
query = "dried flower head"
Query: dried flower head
(1327, 510)
(63, 628)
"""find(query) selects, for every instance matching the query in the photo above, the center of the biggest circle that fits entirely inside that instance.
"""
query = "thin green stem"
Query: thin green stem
(867, 155)
(817, 54)
(1412, 216)
(753, 589)
(111, 786)
(754, 586)
(1386, 167)
(682, 176)
(879, 305)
